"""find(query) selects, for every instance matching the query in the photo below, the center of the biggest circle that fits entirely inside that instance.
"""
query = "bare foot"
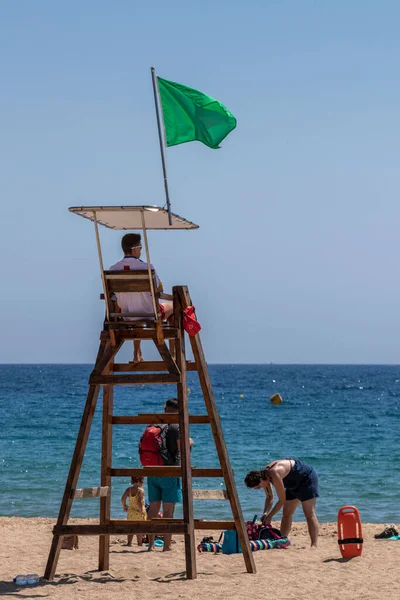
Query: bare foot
(167, 549)
(138, 358)
(150, 549)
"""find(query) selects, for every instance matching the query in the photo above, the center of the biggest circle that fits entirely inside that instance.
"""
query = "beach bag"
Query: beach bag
(257, 531)
(253, 528)
(267, 532)
(231, 544)
(273, 537)
(190, 323)
(153, 447)
(70, 542)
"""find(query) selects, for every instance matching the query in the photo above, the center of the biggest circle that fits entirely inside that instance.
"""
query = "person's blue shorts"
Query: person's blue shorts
(165, 489)
(301, 483)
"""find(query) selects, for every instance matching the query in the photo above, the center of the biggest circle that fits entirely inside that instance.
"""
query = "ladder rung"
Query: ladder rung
(124, 527)
(128, 331)
(149, 419)
(145, 324)
(145, 366)
(133, 379)
(165, 471)
(132, 315)
(95, 492)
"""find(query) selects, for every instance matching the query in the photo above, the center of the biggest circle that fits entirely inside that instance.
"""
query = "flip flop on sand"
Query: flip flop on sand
(388, 532)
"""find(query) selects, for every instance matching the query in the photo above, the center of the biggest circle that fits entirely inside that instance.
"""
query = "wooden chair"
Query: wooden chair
(131, 282)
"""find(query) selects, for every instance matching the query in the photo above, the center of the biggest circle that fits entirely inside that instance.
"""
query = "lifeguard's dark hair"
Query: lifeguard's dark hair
(129, 241)
(254, 478)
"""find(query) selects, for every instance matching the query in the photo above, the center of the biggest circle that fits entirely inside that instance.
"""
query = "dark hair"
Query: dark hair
(137, 480)
(254, 478)
(172, 403)
(129, 241)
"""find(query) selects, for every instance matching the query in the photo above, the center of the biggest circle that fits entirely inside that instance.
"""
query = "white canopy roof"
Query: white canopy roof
(130, 217)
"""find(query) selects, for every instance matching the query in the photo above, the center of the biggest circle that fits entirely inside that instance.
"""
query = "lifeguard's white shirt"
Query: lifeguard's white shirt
(135, 302)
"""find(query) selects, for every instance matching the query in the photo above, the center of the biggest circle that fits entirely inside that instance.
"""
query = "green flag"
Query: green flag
(191, 115)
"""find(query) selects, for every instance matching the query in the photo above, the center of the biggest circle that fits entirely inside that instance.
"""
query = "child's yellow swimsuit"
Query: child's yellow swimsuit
(134, 512)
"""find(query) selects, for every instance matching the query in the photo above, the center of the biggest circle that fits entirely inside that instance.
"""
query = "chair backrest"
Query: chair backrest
(129, 281)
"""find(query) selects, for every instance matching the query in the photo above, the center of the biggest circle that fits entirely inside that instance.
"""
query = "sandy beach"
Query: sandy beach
(296, 573)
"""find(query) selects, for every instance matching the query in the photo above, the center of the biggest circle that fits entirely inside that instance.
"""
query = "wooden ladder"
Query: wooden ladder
(168, 370)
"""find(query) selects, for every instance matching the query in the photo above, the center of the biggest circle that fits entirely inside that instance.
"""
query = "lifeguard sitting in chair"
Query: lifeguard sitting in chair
(139, 303)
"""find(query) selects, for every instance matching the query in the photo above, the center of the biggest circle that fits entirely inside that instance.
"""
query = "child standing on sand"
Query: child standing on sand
(136, 511)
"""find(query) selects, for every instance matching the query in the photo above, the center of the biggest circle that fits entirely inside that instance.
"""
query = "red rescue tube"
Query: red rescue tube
(350, 538)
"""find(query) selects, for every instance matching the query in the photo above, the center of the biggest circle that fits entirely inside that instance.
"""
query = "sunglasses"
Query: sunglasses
(140, 247)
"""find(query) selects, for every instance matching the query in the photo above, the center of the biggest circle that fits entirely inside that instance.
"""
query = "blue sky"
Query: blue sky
(296, 258)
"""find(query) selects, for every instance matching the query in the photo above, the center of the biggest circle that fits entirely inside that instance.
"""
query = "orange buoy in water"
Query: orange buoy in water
(276, 399)
(350, 538)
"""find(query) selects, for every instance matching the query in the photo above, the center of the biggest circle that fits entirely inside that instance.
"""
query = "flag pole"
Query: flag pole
(160, 137)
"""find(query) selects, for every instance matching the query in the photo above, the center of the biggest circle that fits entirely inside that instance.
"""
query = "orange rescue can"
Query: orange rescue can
(350, 538)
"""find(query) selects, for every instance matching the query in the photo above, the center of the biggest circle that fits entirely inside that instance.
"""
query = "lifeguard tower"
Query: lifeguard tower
(171, 369)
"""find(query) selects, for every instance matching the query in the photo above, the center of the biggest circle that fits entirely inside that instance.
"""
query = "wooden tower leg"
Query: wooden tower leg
(219, 439)
(76, 463)
(187, 492)
(72, 480)
(105, 479)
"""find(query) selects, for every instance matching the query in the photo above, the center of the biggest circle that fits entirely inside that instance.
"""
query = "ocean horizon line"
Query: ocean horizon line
(223, 364)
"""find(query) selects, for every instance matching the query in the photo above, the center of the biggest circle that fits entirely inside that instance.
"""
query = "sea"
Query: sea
(343, 420)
